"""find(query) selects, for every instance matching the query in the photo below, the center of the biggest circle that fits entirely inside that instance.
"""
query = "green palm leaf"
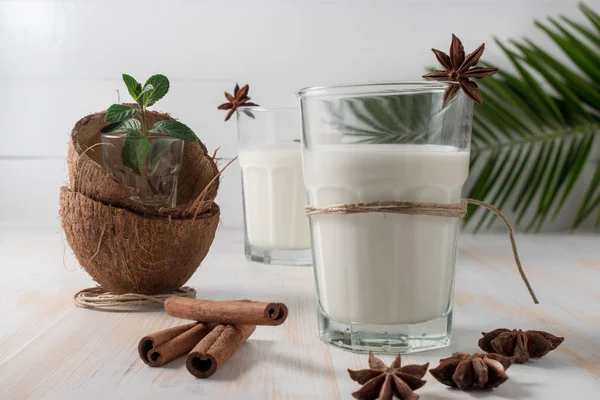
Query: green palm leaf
(533, 137)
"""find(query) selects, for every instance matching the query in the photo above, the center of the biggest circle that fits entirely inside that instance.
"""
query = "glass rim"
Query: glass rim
(266, 108)
(122, 135)
(366, 88)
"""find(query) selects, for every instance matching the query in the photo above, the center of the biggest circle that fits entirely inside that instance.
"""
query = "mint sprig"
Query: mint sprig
(133, 121)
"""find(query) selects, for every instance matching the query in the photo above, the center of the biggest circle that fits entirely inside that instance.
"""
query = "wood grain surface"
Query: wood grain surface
(50, 349)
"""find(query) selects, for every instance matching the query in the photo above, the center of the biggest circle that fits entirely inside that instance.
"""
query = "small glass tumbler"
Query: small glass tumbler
(385, 281)
(270, 156)
(150, 165)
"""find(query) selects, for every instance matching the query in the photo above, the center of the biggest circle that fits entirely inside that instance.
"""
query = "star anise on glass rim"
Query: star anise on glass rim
(382, 382)
(461, 69)
(519, 345)
(238, 99)
(464, 370)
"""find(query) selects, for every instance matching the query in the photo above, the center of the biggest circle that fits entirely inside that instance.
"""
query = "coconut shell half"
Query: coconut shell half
(87, 174)
(129, 253)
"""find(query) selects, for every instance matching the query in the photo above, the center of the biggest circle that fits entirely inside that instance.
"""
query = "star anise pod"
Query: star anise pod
(464, 370)
(383, 382)
(238, 99)
(518, 344)
(461, 69)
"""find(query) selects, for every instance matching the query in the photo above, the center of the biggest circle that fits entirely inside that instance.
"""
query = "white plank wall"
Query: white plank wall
(63, 59)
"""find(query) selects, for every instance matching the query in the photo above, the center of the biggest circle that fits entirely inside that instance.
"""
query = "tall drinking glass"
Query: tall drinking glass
(270, 155)
(385, 281)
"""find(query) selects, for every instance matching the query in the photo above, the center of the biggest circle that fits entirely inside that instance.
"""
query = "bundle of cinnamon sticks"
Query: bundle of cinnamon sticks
(221, 328)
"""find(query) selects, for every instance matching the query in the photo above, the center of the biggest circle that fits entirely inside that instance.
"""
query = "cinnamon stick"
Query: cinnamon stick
(235, 312)
(216, 348)
(161, 347)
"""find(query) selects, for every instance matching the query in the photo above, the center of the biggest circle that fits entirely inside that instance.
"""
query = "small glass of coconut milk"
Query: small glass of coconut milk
(274, 197)
(385, 281)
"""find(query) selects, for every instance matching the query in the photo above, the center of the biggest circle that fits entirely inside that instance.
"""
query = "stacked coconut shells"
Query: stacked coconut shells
(125, 246)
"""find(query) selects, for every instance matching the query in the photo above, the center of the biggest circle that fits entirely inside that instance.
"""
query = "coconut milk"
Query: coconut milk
(274, 197)
(381, 268)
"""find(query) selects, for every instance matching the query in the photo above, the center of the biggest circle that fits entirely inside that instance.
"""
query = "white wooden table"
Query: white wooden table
(50, 349)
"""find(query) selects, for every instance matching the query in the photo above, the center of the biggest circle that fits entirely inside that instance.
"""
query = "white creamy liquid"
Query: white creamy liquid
(381, 268)
(274, 197)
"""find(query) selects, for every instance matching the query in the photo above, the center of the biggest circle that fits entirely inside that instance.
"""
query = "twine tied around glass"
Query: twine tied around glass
(456, 210)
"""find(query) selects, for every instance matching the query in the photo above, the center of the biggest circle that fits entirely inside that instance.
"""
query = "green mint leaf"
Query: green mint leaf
(160, 85)
(131, 125)
(133, 87)
(119, 113)
(158, 151)
(136, 148)
(174, 129)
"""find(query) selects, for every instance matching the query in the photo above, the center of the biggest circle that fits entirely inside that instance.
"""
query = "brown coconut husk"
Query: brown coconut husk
(88, 176)
(129, 253)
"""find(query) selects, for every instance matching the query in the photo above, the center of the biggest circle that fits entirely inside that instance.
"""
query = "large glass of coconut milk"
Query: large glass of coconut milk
(385, 281)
